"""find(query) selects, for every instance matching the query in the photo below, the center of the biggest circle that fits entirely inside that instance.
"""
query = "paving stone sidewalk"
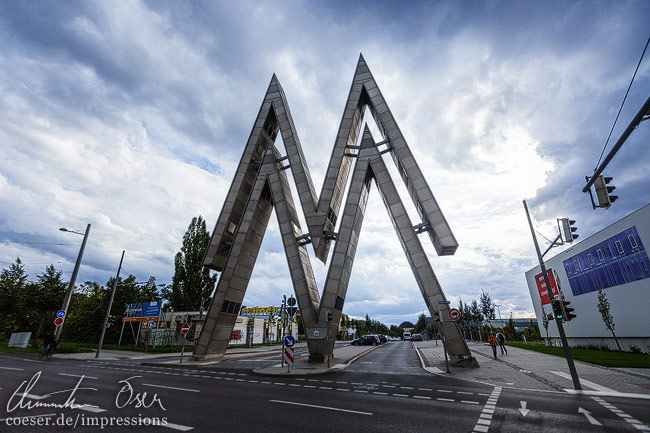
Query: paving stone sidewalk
(527, 369)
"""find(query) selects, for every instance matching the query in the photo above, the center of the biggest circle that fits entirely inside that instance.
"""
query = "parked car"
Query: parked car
(382, 338)
(416, 337)
(366, 340)
(406, 336)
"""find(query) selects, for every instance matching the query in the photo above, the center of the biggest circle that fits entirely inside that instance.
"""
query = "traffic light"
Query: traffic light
(568, 311)
(329, 316)
(603, 191)
(568, 229)
(558, 311)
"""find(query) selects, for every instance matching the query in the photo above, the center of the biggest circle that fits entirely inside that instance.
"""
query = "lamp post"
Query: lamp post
(68, 294)
(108, 310)
(498, 305)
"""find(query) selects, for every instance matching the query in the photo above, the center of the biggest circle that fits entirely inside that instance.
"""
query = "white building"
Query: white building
(614, 260)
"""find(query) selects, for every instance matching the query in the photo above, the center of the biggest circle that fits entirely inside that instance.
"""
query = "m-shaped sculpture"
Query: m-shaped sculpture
(261, 183)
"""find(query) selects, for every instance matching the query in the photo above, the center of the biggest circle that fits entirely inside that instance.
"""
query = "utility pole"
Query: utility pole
(560, 328)
(73, 278)
(108, 310)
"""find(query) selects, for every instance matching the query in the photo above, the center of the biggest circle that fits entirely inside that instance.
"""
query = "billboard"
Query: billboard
(142, 311)
(541, 287)
(617, 260)
(259, 311)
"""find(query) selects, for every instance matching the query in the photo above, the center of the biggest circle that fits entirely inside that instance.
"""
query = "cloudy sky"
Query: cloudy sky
(132, 115)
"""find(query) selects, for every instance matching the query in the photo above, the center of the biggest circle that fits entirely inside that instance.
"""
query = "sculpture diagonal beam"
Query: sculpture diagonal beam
(261, 183)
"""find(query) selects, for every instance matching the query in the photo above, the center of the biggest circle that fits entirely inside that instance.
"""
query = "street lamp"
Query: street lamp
(68, 294)
(498, 310)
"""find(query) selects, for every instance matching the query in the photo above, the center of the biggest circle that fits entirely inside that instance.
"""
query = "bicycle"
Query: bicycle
(49, 352)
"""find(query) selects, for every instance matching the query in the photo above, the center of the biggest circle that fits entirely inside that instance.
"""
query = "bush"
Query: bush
(635, 349)
(603, 347)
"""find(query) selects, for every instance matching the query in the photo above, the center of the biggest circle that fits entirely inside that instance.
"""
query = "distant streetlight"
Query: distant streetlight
(68, 294)
(498, 310)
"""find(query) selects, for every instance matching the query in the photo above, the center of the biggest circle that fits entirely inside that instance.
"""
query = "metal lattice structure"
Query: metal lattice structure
(261, 183)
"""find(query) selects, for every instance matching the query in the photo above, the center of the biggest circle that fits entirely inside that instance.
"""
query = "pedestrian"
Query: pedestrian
(501, 339)
(493, 343)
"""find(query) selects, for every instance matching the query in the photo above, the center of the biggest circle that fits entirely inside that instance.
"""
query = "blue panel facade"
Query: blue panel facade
(618, 260)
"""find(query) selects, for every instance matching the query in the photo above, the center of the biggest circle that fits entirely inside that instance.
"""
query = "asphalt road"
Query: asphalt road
(386, 390)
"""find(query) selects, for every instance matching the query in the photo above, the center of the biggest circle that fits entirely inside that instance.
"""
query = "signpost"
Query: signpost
(288, 344)
(184, 330)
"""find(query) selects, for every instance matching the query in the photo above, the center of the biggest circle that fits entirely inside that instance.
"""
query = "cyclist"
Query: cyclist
(48, 343)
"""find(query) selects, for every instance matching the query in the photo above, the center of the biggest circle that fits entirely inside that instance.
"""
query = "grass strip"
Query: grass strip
(606, 358)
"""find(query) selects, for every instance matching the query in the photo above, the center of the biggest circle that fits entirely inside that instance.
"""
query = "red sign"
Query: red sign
(454, 314)
(185, 329)
(58, 321)
(288, 355)
(541, 287)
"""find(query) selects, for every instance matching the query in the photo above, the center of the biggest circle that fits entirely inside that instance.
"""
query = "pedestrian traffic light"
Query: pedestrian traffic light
(568, 229)
(568, 311)
(557, 309)
(329, 316)
(603, 191)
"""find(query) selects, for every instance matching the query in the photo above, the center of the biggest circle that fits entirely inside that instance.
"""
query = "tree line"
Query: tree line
(31, 305)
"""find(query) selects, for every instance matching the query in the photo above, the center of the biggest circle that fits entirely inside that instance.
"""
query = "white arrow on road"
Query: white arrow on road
(523, 409)
(590, 418)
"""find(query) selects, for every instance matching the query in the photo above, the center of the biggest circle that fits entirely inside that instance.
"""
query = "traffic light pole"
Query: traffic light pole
(108, 310)
(560, 328)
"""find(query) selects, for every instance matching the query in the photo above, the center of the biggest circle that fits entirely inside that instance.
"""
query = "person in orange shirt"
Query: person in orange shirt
(493, 343)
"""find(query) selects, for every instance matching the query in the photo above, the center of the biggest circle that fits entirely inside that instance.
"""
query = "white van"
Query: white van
(406, 336)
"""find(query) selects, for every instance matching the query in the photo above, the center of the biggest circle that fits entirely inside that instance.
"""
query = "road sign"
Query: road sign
(289, 341)
(444, 302)
(291, 301)
(60, 313)
(288, 355)
(151, 324)
(454, 314)
(291, 311)
(58, 321)
(185, 329)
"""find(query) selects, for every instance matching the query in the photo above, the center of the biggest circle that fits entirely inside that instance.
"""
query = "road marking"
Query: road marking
(321, 407)
(178, 427)
(422, 397)
(584, 382)
(406, 387)
(325, 387)
(171, 387)
(444, 399)
(380, 393)
(523, 409)
(253, 381)
(636, 423)
(463, 392)
(443, 390)
(483, 423)
(400, 395)
(425, 389)
(309, 386)
(590, 418)
(294, 384)
(469, 402)
(12, 368)
(361, 391)
(342, 389)
(389, 386)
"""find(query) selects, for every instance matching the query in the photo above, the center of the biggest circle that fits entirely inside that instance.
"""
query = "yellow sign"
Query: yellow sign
(255, 311)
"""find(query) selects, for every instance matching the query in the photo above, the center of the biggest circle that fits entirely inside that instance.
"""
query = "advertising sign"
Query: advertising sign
(541, 287)
(259, 311)
(142, 312)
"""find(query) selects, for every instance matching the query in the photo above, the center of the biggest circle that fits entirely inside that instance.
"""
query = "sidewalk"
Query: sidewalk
(527, 369)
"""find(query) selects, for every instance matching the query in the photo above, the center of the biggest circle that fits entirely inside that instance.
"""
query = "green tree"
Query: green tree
(476, 317)
(191, 280)
(608, 319)
(487, 306)
(44, 300)
(13, 285)
(421, 324)
(510, 330)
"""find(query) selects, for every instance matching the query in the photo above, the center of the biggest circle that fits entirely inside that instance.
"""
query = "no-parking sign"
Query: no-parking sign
(454, 314)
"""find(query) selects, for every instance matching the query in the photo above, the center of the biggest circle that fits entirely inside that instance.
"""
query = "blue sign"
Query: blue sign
(444, 302)
(615, 261)
(60, 313)
(289, 341)
(143, 309)
(152, 324)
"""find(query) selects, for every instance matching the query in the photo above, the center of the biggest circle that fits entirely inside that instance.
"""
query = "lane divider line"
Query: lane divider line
(321, 407)
(485, 419)
(629, 419)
